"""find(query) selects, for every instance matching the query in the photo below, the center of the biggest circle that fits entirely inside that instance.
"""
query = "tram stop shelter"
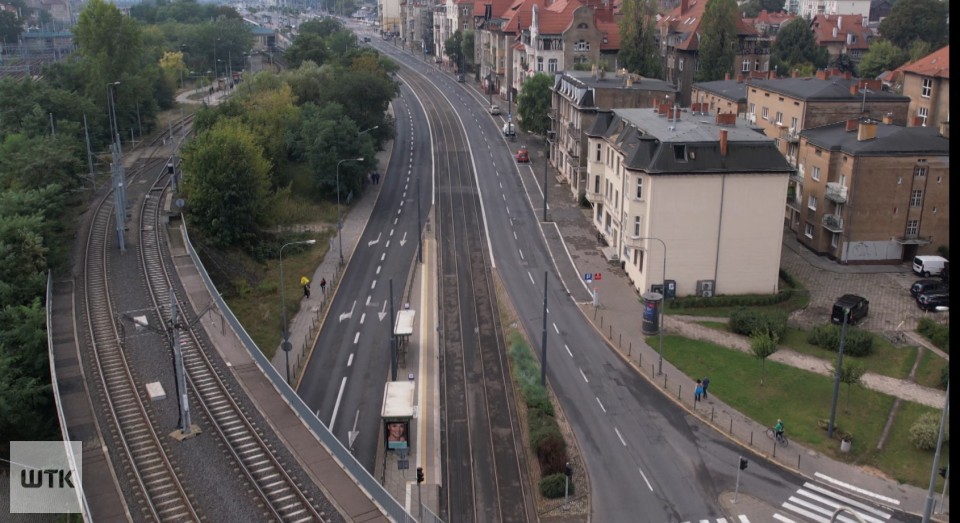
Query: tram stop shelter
(402, 330)
(398, 410)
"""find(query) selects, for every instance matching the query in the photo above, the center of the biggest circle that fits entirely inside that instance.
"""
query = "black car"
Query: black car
(926, 286)
(857, 305)
(930, 301)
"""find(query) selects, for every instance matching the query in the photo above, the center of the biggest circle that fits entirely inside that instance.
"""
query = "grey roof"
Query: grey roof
(812, 88)
(729, 89)
(612, 81)
(891, 140)
(647, 139)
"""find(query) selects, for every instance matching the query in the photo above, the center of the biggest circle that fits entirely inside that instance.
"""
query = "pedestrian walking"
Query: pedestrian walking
(306, 286)
(706, 383)
(698, 392)
(323, 286)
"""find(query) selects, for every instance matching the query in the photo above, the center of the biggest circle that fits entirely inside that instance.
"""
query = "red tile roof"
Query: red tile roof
(935, 64)
(688, 22)
(823, 26)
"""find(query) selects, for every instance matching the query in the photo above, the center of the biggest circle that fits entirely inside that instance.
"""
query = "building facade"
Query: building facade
(725, 96)
(710, 192)
(812, 8)
(871, 192)
(927, 83)
(842, 35)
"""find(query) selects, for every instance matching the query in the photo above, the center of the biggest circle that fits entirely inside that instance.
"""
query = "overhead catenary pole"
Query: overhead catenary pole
(178, 368)
(543, 339)
(839, 370)
(86, 135)
(393, 338)
(419, 226)
(928, 506)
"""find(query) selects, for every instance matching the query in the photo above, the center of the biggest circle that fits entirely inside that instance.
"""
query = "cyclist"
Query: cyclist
(778, 429)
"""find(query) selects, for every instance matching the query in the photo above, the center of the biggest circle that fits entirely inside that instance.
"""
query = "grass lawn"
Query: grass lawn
(902, 460)
(928, 372)
(800, 398)
(886, 360)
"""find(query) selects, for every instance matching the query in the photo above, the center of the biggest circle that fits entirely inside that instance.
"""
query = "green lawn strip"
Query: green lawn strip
(928, 372)
(800, 398)
(886, 360)
(900, 459)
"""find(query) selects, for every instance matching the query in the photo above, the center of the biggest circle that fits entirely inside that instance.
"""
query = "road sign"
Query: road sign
(588, 276)
(286, 346)
(596, 276)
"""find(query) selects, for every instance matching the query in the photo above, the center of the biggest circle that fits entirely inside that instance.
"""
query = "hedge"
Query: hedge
(857, 343)
(751, 321)
(554, 485)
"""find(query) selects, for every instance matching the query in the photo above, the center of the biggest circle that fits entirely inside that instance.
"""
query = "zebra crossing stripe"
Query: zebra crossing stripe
(834, 505)
(827, 511)
(847, 501)
(743, 519)
(857, 489)
(806, 513)
(721, 520)
(784, 519)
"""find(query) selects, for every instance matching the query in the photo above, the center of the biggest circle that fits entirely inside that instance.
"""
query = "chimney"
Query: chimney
(726, 76)
(684, 6)
(888, 118)
(822, 74)
(593, 71)
(916, 121)
(663, 109)
(853, 89)
(945, 129)
(835, 32)
(867, 131)
(839, 24)
(723, 142)
(852, 124)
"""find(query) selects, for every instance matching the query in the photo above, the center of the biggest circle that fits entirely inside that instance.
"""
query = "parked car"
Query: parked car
(460, 78)
(926, 286)
(858, 306)
(927, 266)
(523, 156)
(930, 302)
(494, 109)
(509, 129)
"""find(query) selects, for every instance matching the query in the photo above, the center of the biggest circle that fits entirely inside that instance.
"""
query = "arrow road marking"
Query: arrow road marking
(404, 240)
(383, 314)
(352, 434)
(373, 242)
(348, 315)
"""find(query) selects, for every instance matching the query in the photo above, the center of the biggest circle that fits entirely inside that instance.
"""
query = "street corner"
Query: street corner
(738, 506)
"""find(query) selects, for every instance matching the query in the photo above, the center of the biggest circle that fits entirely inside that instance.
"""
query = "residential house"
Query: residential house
(680, 42)
(710, 191)
(724, 96)
(842, 35)
(449, 17)
(769, 24)
(416, 31)
(812, 8)
(927, 83)
(783, 107)
(871, 192)
(390, 20)
(577, 97)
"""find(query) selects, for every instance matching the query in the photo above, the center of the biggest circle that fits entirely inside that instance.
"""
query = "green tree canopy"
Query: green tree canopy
(763, 345)
(533, 103)
(796, 46)
(226, 181)
(329, 135)
(638, 46)
(10, 28)
(453, 48)
(109, 41)
(752, 8)
(918, 49)
(911, 20)
(718, 40)
(882, 56)
(468, 43)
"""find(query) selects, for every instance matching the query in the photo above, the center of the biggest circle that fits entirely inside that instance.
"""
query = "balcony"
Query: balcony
(792, 200)
(836, 193)
(833, 223)
(796, 176)
(594, 197)
(634, 242)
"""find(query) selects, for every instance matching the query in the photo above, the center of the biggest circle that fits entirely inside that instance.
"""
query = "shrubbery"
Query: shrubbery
(858, 342)
(553, 486)
(741, 300)
(924, 432)
(938, 335)
(750, 322)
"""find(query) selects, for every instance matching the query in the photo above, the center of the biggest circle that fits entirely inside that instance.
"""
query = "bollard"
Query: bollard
(774, 447)
(651, 370)
(711, 414)
(640, 355)
(664, 381)
(679, 392)
(731, 431)
(601, 322)
(798, 461)
(751, 434)
(620, 343)
(611, 331)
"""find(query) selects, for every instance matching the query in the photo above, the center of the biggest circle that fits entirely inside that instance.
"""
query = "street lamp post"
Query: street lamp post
(365, 131)
(663, 281)
(339, 220)
(285, 345)
(839, 371)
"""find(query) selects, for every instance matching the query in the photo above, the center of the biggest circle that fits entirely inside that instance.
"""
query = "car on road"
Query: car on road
(523, 156)
(460, 78)
(927, 286)
(494, 109)
(930, 302)
(366, 38)
(857, 305)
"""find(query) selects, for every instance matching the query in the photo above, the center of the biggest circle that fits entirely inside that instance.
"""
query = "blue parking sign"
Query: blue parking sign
(588, 276)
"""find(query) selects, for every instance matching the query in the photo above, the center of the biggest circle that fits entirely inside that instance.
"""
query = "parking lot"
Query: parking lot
(887, 287)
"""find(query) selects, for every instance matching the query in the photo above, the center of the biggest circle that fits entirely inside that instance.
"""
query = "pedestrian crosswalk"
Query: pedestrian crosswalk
(813, 502)
(737, 519)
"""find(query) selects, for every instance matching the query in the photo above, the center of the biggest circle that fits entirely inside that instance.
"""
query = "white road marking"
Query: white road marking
(387, 245)
(383, 256)
(584, 376)
(378, 269)
(554, 325)
(649, 486)
(777, 517)
(844, 499)
(604, 409)
(568, 350)
(615, 429)
(857, 489)
(515, 235)
(391, 232)
(350, 360)
(363, 317)
(336, 405)
(395, 220)
(356, 338)
(521, 252)
(531, 278)
(373, 284)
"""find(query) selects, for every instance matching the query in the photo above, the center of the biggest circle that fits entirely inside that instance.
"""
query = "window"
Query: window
(913, 227)
(795, 124)
(899, 180)
(540, 64)
(696, 65)
(639, 258)
(926, 87)
(753, 109)
(920, 170)
(581, 45)
(756, 65)
(639, 188)
(552, 65)
(916, 198)
(680, 64)
(765, 113)
(636, 226)
(812, 203)
(596, 184)
(599, 148)
(815, 174)
(808, 230)
(746, 65)
(779, 118)
(939, 179)
(922, 115)
(680, 153)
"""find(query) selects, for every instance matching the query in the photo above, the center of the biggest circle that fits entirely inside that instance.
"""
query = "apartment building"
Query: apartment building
(842, 35)
(416, 31)
(710, 191)
(680, 44)
(390, 19)
(725, 96)
(871, 192)
(927, 83)
(811, 8)
(768, 24)
(576, 99)
(784, 107)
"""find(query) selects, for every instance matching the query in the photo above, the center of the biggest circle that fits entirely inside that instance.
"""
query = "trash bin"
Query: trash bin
(845, 445)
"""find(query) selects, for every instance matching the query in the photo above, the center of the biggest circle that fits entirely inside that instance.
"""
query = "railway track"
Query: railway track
(282, 496)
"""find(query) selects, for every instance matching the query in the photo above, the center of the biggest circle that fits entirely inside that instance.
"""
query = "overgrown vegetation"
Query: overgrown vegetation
(935, 333)
(750, 322)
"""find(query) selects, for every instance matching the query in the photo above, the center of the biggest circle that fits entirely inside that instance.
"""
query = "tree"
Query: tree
(109, 40)
(226, 180)
(533, 103)
(882, 56)
(844, 63)
(796, 46)
(10, 28)
(752, 8)
(911, 20)
(718, 40)
(919, 49)
(638, 46)
(763, 345)
(850, 374)
(453, 47)
(467, 45)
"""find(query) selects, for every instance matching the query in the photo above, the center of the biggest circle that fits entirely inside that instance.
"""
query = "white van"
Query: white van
(928, 265)
(509, 130)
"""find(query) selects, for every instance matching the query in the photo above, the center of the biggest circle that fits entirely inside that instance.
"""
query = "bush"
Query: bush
(745, 300)
(551, 451)
(749, 322)
(553, 486)
(924, 432)
(936, 333)
(858, 343)
(787, 279)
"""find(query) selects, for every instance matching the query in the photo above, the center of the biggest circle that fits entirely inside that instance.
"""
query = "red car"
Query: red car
(523, 156)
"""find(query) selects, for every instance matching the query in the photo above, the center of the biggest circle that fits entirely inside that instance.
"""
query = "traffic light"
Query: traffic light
(569, 470)
(743, 463)
(943, 472)
(419, 474)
